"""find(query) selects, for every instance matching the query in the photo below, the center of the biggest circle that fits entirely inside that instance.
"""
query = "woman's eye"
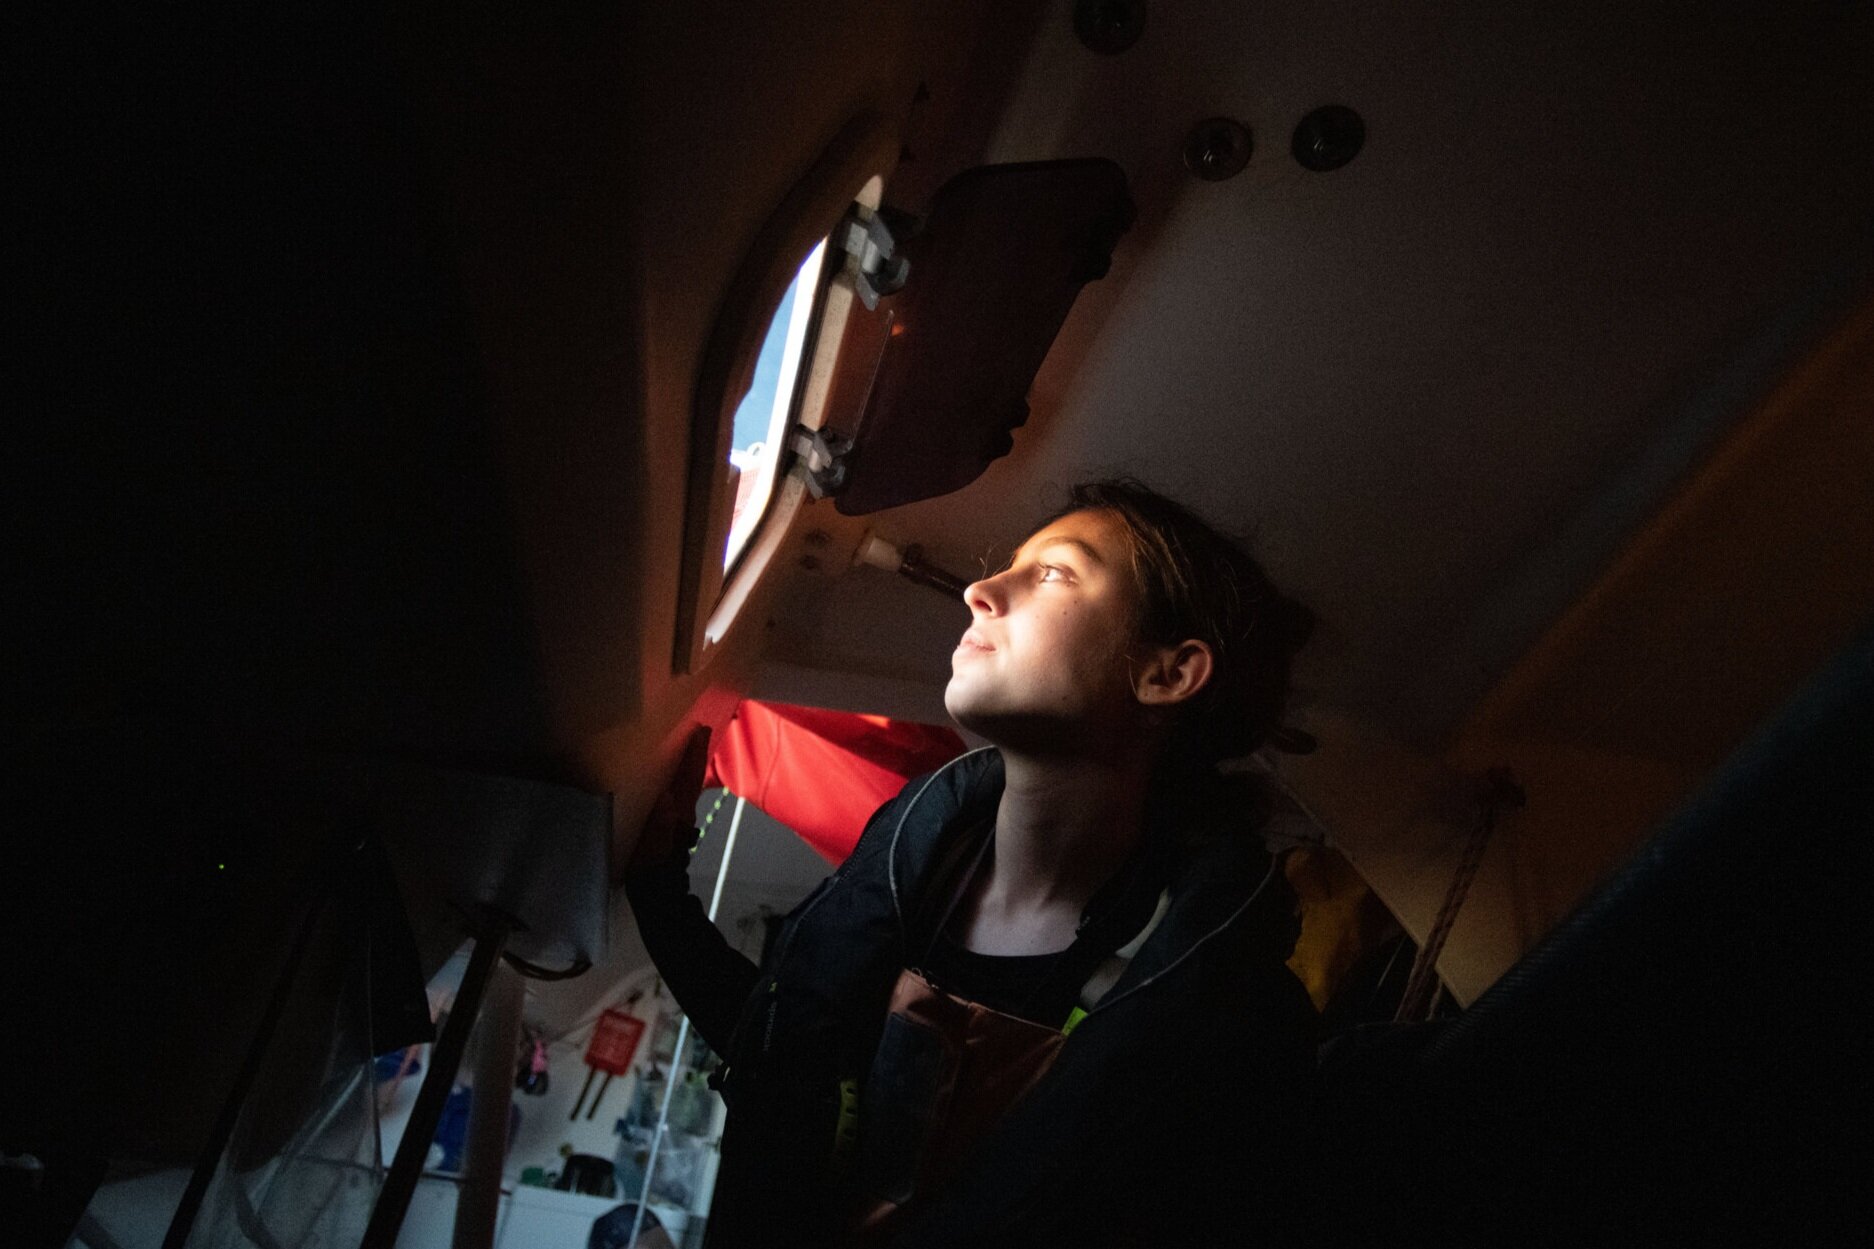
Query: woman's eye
(1052, 572)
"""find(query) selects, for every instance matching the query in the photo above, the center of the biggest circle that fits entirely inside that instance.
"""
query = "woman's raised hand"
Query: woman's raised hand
(673, 814)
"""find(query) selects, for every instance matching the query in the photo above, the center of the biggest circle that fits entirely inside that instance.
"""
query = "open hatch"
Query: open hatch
(880, 361)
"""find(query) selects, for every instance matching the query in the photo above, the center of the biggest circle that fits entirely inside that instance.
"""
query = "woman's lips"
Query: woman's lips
(974, 643)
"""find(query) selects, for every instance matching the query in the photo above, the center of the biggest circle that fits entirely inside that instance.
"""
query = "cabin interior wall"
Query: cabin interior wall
(1750, 578)
(694, 163)
(594, 176)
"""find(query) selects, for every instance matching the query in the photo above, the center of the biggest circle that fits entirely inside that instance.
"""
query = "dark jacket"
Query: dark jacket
(1176, 1113)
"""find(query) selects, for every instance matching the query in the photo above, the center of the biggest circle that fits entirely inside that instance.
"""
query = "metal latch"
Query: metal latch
(821, 458)
(867, 237)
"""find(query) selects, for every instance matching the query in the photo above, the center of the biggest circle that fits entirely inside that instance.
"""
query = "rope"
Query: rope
(1500, 792)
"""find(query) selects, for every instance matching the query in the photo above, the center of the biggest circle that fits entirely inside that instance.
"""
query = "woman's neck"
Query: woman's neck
(1063, 828)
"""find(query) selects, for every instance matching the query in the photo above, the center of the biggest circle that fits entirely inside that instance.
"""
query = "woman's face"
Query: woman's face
(1044, 661)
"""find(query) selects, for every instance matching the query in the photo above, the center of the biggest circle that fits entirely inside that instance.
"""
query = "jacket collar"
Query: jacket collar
(1212, 884)
(946, 805)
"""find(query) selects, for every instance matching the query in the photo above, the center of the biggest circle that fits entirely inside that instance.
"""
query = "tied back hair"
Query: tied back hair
(1195, 582)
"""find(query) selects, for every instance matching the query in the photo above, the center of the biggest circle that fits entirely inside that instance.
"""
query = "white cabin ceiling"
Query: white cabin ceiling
(1441, 385)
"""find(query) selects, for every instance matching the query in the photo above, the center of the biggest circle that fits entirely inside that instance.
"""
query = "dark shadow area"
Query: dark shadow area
(1680, 1061)
(256, 490)
(267, 586)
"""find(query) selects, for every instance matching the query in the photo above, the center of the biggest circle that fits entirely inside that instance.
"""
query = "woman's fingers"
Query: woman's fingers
(673, 813)
(686, 785)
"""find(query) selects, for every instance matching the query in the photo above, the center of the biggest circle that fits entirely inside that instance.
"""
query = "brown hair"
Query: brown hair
(1194, 582)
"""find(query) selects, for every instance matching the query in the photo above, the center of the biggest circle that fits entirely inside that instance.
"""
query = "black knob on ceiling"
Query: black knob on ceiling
(1217, 148)
(1328, 138)
(1109, 26)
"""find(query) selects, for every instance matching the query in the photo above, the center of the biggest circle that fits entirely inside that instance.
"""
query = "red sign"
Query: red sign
(614, 1041)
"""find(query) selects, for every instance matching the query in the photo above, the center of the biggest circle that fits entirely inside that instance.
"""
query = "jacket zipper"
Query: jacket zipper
(891, 860)
(780, 958)
(774, 1003)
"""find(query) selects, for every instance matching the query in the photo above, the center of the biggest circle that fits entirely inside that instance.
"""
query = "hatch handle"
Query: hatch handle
(871, 238)
(821, 459)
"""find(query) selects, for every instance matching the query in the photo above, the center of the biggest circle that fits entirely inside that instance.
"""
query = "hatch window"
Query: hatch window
(770, 373)
(762, 419)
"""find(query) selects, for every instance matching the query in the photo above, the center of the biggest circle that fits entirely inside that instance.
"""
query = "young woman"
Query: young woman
(1044, 1001)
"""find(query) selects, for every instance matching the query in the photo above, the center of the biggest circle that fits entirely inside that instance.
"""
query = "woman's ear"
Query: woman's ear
(1168, 675)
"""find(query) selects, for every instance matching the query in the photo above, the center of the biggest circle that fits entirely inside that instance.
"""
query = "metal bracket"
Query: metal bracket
(821, 459)
(867, 237)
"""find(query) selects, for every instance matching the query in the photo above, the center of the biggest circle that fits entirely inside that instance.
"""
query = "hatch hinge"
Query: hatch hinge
(821, 458)
(871, 238)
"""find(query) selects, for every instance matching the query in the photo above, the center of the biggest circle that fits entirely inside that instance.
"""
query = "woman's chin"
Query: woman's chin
(969, 707)
(958, 703)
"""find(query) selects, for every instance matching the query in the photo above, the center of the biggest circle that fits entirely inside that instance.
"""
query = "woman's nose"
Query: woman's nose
(984, 598)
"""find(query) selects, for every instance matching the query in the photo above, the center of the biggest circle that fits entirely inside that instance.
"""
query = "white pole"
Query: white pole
(728, 848)
(683, 1035)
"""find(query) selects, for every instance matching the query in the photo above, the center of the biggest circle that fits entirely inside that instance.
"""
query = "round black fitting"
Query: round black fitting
(1217, 148)
(1109, 27)
(1328, 138)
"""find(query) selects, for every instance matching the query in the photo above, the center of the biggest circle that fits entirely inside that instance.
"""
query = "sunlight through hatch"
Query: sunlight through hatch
(762, 419)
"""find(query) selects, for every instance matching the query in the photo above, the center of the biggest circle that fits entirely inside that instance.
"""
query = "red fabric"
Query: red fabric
(823, 773)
